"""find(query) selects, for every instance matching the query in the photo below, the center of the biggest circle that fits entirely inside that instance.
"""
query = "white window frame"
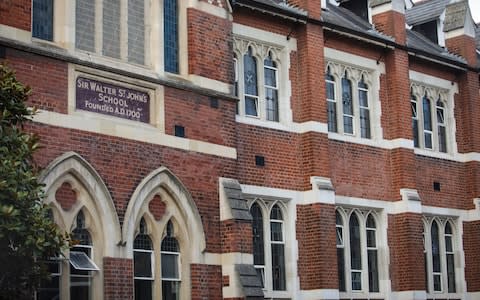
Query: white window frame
(266, 206)
(260, 51)
(441, 222)
(362, 215)
(355, 75)
(152, 264)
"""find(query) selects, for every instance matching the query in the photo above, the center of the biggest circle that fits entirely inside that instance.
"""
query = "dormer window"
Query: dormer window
(358, 7)
(429, 30)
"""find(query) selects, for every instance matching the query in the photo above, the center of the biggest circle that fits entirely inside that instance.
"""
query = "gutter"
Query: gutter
(272, 10)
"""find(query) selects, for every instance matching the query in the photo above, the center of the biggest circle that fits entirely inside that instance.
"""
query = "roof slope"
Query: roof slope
(342, 17)
(418, 41)
(425, 11)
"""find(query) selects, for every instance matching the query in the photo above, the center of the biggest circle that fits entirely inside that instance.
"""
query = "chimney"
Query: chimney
(388, 17)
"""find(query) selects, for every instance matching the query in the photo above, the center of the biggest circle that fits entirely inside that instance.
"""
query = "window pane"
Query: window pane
(142, 241)
(272, 104)
(251, 106)
(348, 124)
(270, 77)
(363, 97)
(80, 288)
(341, 269)
(332, 116)
(49, 289)
(278, 267)
(339, 236)
(170, 266)
(276, 231)
(442, 139)
(437, 282)
(85, 25)
(448, 244)
(143, 289)
(142, 264)
(42, 19)
(170, 290)
(111, 28)
(136, 31)
(371, 240)
(330, 90)
(347, 96)
(257, 227)
(365, 123)
(261, 275)
(415, 133)
(451, 273)
(250, 74)
(355, 250)
(356, 281)
(435, 248)
(372, 271)
(427, 115)
(170, 35)
(428, 140)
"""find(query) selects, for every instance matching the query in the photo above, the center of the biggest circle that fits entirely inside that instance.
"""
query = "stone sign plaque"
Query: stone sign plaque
(113, 100)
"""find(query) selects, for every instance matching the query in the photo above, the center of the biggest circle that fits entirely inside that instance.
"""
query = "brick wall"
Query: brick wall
(206, 282)
(118, 278)
(210, 49)
(66, 196)
(471, 244)
(237, 236)
(407, 264)
(317, 254)
(16, 13)
(391, 23)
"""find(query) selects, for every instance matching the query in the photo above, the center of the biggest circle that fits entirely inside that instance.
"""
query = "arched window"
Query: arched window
(80, 261)
(450, 258)
(258, 241)
(355, 253)
(143, 263)
(413, 104)
(441, 127)
(372, 254)
(250, 84)
(364, 109)
(271, 88)
(278, 249)
(170, 261)
(170, 33)
(436, 258)
(427, 123)
(331, 101)
(347, 101)
(340, 252)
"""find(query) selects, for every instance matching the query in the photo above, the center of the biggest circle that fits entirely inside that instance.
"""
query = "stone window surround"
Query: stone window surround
(64, 36)
(441, 222)
(266, 204)
(382, 250)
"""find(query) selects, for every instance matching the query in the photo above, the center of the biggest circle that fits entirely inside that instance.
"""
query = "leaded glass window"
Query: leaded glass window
(436, 258)
(340, 252)
(250, 84)
(271, 88)
(170, 260)
(278, 249)
(450, 258)
(136, 31)
(427, 123)
(355, 253)
(170, 35)
(347, 101)
(85, 25)
(441, 127)
(364, 109)
(258, 241)
(413, 104)
(80, 280)
(372, 254)
(42, 19)
(331, 101)
(143, 263)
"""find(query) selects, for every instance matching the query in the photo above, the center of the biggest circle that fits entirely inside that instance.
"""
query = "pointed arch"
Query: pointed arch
(74, 166)
(182, 209)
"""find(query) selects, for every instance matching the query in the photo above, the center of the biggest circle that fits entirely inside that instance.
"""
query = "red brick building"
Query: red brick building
(250, 149)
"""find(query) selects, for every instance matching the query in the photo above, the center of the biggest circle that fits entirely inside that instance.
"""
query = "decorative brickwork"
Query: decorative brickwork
(66, 196)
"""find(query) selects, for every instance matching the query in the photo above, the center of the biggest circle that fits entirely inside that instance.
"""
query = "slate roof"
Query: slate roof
(278, 5)
(418, 41)
(342, 17)
(237, 202)
(425, 11)
(250, 281)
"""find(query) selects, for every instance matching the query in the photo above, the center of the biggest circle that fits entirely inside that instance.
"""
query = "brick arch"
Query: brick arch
(72, 168)
(180, 207)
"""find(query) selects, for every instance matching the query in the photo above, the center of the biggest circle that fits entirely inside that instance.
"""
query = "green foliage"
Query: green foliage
(28, 235)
